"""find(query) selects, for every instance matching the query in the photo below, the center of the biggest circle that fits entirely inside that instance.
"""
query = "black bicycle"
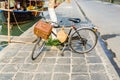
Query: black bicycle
(81, 40)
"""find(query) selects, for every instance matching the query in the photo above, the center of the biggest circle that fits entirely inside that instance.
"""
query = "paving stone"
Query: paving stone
(54, 48)
(27, 47)
(66, 54)
(23, 76)
(5, 60)
(79, 77)
(51, 53)
(92, 53)
(13, 49)
(79, 68)
(63, 61)
(10, 54)
(48, 60)
(42, 76)
(94, 60)
(24, 39)
(29, 60)
(96, 68)
(59, 76)
(11, 68)
(80, 73)
(62, 68)
(45, 68)
(1, 66)
(23, 54)
(74, 54)
(29, 67)
(16, 46)
(99, 76)
(18, 60)
(6, 76)
(38, 60)
(78, 61)
(48, 48)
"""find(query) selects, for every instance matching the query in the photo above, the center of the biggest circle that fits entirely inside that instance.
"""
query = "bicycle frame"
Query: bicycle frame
(69, 32)
(76, 35)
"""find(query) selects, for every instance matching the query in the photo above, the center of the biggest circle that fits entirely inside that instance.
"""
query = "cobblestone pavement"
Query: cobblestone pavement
(16, 64)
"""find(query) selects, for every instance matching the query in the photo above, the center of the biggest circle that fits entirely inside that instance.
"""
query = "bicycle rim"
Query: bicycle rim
(88, 36)
(37, 49)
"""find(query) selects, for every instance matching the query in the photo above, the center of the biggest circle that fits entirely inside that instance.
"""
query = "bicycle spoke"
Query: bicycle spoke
(85, 42)
(37, 49)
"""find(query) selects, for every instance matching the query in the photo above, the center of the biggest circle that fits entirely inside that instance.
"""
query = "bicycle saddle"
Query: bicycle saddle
(75, 20)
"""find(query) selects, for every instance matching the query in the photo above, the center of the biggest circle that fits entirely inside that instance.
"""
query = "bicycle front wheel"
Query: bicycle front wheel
(83, 40)
(37, 49)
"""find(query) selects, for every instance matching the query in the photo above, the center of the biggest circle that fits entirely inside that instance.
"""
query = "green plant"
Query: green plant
(52, 42)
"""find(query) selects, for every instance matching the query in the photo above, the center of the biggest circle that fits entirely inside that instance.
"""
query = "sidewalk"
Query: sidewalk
(106, 17)
(16, 63)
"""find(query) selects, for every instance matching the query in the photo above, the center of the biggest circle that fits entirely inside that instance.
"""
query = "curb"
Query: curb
(113, 75)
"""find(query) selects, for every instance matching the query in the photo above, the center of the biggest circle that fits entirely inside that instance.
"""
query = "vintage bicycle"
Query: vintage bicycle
(79, 40)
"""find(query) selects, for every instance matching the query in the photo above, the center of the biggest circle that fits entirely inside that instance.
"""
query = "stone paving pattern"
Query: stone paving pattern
(16, 64)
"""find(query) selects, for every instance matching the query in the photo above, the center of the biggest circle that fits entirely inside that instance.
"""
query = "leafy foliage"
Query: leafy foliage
(52, 42)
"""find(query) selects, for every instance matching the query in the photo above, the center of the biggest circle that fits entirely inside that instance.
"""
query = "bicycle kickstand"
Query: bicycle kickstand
(62, 53)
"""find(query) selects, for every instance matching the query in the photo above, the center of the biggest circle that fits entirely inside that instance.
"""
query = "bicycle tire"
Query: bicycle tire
(37, 49)
(88, 35)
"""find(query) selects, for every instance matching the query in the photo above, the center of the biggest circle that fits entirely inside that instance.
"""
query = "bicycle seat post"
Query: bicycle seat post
(72, 23)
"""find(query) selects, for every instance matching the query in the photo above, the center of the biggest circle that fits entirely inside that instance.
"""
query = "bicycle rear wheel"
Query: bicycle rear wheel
(37, 49)
(84, 44)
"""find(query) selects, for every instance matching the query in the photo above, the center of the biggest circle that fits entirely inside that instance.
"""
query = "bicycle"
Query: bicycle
(82, 40)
